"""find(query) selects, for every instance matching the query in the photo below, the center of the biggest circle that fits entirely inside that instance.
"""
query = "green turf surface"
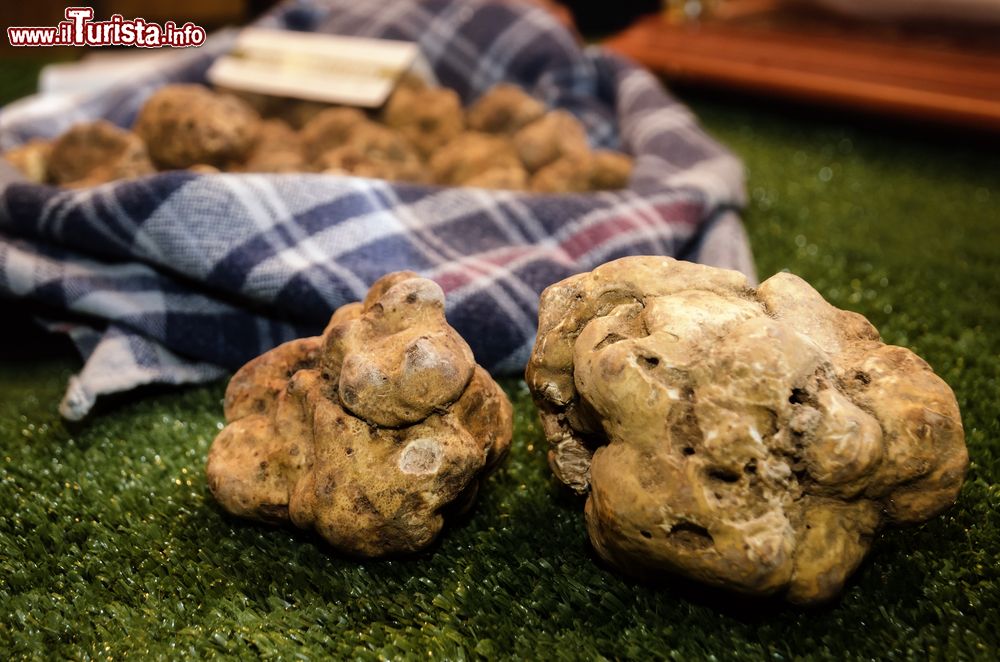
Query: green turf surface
(111, 547)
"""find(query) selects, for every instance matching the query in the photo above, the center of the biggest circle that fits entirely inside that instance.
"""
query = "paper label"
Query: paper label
(353, 71)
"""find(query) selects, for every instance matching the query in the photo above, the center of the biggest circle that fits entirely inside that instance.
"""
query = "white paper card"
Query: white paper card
(353, 71)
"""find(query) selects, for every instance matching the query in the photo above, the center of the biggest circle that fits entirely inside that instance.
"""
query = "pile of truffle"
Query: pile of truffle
(505, 140)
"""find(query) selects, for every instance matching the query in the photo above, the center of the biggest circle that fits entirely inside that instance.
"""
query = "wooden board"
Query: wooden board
(930, 72)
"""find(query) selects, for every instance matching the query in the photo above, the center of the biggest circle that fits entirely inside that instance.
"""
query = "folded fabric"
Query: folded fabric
(181, 277)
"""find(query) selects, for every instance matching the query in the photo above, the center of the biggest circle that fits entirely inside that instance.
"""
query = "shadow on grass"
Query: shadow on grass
(884, 575)
(244, 528)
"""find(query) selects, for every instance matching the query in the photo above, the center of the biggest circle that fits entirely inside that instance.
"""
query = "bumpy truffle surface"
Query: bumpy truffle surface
(428, 117)
(93, 153)
(184, 125)
(754, 439)
(504, 108)
(368, 433)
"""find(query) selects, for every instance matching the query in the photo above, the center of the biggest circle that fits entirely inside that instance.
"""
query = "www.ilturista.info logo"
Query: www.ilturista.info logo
(80, 30)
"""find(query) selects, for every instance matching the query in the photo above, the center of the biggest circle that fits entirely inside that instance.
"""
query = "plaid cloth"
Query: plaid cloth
(182, 277)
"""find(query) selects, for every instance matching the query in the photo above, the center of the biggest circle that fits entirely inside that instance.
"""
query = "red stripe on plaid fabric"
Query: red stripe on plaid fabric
(679, 216)
(592, 236)
(455, 275)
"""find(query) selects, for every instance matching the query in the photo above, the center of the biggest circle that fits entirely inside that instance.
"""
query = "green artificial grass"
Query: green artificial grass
(111, 547)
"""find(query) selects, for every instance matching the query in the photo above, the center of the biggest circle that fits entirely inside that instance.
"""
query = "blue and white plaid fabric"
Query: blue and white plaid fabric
(182, 277)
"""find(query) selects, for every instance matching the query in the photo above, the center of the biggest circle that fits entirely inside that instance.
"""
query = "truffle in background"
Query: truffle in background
(419, 137)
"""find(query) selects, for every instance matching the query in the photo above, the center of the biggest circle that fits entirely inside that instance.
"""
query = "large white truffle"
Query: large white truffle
(368, 434)
(754, 439)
